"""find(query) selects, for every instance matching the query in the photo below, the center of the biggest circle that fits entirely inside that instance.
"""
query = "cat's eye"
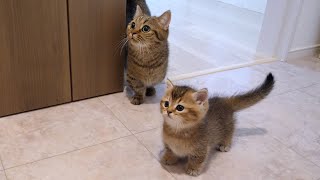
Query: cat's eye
(133, 25)
(166, 104)
(145, 28)
(180, 108)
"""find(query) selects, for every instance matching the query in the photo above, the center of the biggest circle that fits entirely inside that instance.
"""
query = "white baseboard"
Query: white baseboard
(215, 70)
(304, 52)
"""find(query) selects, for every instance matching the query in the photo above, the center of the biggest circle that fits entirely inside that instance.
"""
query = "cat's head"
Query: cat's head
(183, 106)
(144, 30)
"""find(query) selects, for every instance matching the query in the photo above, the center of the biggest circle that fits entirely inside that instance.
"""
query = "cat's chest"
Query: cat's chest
(180, 147)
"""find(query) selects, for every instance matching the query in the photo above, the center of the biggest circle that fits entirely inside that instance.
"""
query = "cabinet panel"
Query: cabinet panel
(34, 55)
(96, 27)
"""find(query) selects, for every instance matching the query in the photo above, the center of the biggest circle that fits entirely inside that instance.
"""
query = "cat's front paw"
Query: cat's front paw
(223, 148)
(169, 160)
(193, 171)
(136, 100)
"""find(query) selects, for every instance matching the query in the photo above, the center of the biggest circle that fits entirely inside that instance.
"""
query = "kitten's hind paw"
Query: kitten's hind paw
(150, 91)
(136, 100)
(223, 148)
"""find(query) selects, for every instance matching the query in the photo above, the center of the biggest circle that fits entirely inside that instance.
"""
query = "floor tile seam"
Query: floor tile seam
(68, 152)
(154, 156)
(4, 171)
(288, 147)
(119, 119)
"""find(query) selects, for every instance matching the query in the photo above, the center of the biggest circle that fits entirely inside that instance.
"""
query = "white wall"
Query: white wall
(253, 5)
(307, 33)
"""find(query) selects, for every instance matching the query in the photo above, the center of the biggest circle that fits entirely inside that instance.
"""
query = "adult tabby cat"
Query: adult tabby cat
(193, 123)
(147, 53)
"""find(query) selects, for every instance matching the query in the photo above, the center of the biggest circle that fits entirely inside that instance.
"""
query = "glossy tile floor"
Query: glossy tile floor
(108, 138)
(208, 34)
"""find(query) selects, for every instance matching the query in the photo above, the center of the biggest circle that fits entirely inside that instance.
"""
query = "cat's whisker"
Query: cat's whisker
(121, 44)
(124, 45)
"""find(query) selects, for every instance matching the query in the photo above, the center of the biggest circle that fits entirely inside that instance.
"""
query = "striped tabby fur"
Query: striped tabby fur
(148, 53)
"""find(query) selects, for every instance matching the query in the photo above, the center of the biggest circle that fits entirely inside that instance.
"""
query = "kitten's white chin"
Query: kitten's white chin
(174, 123)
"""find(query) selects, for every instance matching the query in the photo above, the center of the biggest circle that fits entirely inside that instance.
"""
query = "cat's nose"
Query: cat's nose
(169, 112)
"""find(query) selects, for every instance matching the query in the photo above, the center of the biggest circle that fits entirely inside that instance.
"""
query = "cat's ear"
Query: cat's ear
(138, 12)
(201, 96)
(169, 84)
(164, 20)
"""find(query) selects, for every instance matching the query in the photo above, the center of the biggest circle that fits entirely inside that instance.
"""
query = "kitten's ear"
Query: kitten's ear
(169, 84)
(164, 20)
(201, 96)
(138, 12)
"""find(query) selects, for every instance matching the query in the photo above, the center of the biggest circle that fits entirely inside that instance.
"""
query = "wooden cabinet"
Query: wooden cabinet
(57, 51)
(96, 27)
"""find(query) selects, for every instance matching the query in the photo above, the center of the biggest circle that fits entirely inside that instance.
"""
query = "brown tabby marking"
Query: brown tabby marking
(147, 53)
(193, 122)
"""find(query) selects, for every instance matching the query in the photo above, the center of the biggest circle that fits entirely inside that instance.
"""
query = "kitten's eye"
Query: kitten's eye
(179, 108)
(166, 104)
(133, 25)
(145, 28)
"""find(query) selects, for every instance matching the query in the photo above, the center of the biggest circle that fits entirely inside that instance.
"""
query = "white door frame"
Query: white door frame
(278, 28)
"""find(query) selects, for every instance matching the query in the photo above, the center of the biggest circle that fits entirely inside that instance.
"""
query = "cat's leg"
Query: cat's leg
(150, 91)
(168, 157)
(139, 90)
(196, 162)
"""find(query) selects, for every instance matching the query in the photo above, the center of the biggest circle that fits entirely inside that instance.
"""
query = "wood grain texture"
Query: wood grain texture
(34, 57)
(96, 27)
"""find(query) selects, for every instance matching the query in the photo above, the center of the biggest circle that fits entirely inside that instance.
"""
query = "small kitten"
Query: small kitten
(148, 53)
(193, 122)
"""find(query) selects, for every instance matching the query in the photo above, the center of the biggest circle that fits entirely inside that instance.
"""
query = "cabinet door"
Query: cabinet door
(34, 58)
(96, 27)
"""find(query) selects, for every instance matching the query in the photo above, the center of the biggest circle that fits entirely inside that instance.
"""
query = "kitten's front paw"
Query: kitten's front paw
(169, 160)
(223, 148)
(136, 100)
(193, 172)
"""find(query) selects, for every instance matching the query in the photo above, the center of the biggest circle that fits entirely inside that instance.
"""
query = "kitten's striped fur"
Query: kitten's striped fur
(203, 123)
(148, 53)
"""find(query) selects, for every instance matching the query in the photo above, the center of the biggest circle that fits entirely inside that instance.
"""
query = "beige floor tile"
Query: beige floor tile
(313, 90)
(136, 118)
(292, 118)
(36, 135)
(124, 158)
(311, 63)
(254, 155)
(2, 176)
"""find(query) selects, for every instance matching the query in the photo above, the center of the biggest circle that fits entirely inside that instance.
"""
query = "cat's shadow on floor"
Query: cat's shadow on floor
(179, 168)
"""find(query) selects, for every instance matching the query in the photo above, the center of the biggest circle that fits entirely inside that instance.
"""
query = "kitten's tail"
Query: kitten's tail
(245, 100)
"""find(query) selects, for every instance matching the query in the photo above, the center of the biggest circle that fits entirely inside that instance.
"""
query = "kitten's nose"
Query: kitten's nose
(169, 112)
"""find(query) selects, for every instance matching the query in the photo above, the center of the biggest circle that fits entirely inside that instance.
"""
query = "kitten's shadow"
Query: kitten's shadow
(242, 132)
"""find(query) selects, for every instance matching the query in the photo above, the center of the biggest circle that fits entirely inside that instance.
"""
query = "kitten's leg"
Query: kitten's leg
(139, 90)
(150, 91)
(169, 158)
(225, 145)
(196, 163)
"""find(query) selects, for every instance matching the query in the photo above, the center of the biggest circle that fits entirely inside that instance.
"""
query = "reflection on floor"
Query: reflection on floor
(207, 34)
(108, 138)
